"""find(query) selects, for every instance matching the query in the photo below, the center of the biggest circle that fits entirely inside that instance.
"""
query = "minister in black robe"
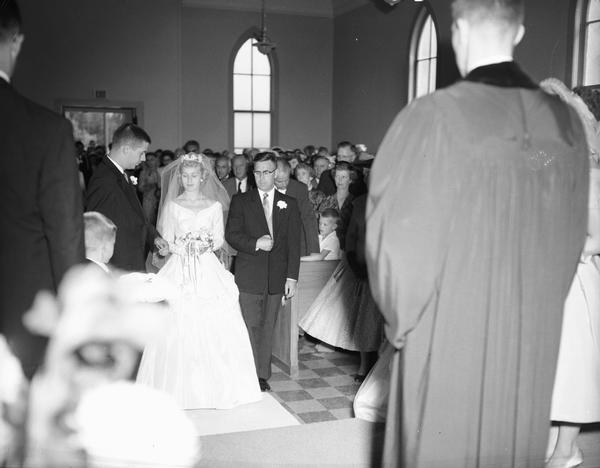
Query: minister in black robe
(476, 219)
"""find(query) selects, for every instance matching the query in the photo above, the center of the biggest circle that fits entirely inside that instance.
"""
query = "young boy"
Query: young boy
(100, 234)
(329, 243)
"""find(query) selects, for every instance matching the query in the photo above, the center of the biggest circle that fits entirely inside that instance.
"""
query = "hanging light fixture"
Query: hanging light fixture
(264, 45)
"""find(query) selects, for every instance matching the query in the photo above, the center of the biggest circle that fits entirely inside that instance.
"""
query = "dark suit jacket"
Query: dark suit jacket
(110, 194)
(309, 240)
(41, 211)
(327, 183)
(231, 185)
(257, 271)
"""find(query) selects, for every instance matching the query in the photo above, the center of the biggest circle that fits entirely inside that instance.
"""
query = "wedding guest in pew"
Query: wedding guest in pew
(329, 244)
(344, 314)
(100, 234)
(303, 174)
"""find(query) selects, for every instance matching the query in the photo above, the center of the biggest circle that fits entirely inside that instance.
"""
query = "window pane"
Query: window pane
(261, 93)
(424, 39)
(243, 60)
(242, 92)
(114, 120)
(242, 129)
(262, 131)
(422, 81)
(593, 10)
(433, 40)
(591, 67)
(87, 126)
(260, 63)
(432, 74)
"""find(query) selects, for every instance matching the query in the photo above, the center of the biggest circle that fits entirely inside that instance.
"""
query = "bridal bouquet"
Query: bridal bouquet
(197, 242)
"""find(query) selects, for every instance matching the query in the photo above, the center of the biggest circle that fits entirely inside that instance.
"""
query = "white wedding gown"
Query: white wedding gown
(203, 358)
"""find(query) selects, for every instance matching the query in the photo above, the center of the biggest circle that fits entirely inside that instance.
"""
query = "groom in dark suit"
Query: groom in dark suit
(40, 199)
(264, 227)
(112, 193)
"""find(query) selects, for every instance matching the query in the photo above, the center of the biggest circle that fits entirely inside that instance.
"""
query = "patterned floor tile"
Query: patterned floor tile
(350, 370)
(284, 385)
(343, 413)
(328, 371)
(279, 376)
(339, 380)
(317, 416)
(313, 383)
(335, 403)
(307, 374)
(318, 363)
(325, 392)
(306, 406)
(294, 395)
(308, 357)
(345, 361)
(348, 390)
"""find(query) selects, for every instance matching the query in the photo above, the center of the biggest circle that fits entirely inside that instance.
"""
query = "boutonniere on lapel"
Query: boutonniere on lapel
(281, 205)
(133, 179)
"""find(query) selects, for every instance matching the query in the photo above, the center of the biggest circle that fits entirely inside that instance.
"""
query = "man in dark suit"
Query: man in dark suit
(40, 199)
(309, 238)
(264, 227)
(241, 182)
(113, 194)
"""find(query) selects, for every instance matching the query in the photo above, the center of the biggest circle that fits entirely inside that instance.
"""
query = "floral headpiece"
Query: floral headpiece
(192, 157)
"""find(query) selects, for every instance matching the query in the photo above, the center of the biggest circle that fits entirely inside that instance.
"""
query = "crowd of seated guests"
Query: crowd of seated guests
(332, 180)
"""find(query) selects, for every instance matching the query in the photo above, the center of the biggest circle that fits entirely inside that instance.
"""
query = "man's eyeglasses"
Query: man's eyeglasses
(263, 173)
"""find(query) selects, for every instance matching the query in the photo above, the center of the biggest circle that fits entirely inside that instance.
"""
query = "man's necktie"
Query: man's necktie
(267, 211)
(239, 190)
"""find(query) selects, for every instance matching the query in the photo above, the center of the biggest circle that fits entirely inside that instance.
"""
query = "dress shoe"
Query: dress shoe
(264, 385)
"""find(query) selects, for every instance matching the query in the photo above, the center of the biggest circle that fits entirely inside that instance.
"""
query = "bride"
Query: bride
(204, 358)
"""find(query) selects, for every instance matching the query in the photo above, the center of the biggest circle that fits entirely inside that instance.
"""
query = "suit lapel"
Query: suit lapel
(278, 213)
(127, 188)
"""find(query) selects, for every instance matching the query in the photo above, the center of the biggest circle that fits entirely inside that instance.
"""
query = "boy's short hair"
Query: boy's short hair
(330, 213)
(98, 230)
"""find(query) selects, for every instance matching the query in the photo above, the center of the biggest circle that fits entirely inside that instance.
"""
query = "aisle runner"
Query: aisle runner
(264, 414)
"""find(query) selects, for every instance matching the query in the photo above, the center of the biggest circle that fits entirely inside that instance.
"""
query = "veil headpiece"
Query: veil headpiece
(171, 185)
(590, 124)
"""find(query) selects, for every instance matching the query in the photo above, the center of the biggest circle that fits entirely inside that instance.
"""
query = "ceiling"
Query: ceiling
(321, 8)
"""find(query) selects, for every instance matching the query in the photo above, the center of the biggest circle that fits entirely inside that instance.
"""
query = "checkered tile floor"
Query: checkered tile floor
(325, 387)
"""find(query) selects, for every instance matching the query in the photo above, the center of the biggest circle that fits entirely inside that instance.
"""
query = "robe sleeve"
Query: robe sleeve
(409, 210)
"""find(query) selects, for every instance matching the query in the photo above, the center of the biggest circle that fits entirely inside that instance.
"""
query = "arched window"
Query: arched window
(586, 54)
(423, 56)
(252, 100)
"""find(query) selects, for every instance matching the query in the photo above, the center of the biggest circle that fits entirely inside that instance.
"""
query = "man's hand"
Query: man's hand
(290, 288)
(162, 246)
(264, 243)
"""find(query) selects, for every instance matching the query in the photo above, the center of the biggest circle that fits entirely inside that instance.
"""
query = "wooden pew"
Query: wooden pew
(312, 278)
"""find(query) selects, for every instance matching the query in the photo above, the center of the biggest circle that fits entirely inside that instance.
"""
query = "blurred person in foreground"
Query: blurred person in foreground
(476, 219)
(40, 199)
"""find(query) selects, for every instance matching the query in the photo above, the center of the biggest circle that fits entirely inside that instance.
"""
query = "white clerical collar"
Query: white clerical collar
(101, 265)
(4, 76)
(118, 166)
(270, 193)
(492, 59)
(284, 191)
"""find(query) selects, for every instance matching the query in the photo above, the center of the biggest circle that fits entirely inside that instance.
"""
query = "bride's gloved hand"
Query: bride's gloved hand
(196, 248)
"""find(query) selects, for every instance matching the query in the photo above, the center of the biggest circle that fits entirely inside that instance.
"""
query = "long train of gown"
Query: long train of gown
(204, 358)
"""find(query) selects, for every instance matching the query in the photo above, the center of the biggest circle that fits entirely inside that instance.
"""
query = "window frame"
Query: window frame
(423, 14)
(580, 25)
(135, 107)
(253, 33)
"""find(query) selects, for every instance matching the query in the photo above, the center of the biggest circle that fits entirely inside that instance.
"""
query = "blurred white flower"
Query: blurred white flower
(133, 179)
(130, 425)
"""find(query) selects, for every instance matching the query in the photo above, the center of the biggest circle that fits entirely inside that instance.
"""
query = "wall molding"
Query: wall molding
(318, 8)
